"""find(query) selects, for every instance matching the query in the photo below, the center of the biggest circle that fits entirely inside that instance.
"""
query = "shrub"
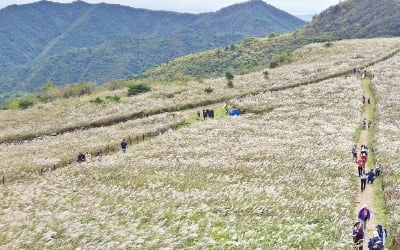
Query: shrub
(328, 45)
(25, 103)
(273, 64)
(78, 89)
(229, 84)
(229, 76)
(98, 100)
(113, 98)
(114, 85)
(138, 88)
(208, 90)
(266, 74)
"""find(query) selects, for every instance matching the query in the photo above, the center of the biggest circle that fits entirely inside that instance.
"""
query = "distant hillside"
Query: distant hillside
(358, 19)
(84, 42)
(350, 19)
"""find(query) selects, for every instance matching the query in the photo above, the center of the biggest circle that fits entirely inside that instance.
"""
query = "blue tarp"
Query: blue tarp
(233, 112)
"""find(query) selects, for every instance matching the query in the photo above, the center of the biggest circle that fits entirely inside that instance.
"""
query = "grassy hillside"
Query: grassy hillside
(350, 19)
(309, 62)
(59, 42)
(224, 183)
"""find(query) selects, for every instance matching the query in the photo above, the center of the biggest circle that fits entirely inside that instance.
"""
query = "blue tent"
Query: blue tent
(233, 112)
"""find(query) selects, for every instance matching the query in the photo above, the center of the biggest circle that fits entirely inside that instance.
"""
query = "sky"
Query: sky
(197, 6)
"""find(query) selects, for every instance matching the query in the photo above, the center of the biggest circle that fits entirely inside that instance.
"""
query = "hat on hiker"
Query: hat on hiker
(365, 206)
(376, 234)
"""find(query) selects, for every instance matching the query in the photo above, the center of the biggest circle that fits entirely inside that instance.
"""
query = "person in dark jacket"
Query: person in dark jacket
(358, 235)
(124, 145)
(364, 215)
(375, 243)
(382, 234)
(371, 177)
(81, 157)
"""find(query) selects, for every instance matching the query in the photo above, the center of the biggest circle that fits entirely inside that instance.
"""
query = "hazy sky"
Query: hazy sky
(196, 6)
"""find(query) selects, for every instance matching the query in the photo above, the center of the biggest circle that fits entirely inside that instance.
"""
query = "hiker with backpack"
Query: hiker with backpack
(382, 234)
(375, 242)
(364, 215)
(123, 145)
(371, 177)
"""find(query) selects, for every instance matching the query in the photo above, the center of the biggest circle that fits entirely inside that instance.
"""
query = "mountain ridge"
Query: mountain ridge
(343, 21)
(44, 30)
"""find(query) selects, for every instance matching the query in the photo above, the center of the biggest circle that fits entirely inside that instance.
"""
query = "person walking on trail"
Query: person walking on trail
(358, 235)
(382, 234)
(377, 169)
(354, 152)
(363, 99)
(364, 123)
(375, 243)
(363, 178)
(360, 166)
(364, 215)
(124, 145)
(369, 123)
(198, 114)
(205, 114)
(371, 177)
(369, 100)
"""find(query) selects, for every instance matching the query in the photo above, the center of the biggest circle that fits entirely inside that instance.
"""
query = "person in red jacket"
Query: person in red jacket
(360, 166)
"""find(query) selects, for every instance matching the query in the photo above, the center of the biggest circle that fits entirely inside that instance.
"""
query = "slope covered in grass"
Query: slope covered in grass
(349, 19)
(308, 63)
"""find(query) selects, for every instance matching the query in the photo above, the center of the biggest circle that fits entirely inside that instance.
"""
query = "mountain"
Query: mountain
(98, 42)
(349, 19)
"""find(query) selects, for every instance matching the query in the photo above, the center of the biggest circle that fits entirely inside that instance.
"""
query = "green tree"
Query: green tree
(229, 76)
(138, 88)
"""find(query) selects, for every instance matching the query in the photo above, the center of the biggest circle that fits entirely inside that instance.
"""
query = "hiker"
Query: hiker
(99, 154)
(354, 152)
(369, 123)
(88, 157)
(226, 107)
(375, 242)
(358, 235)
(382, 234)
(360, 166)
(205, 114)
(124, 145)
(364, 158)
(81, 157)
(363, 99)
(364, 123)
(211, 113)
(158, 132)
(198, 114)
(377, 169)
(364, 215)
(369, 100)
(371, 177)
(363, 179)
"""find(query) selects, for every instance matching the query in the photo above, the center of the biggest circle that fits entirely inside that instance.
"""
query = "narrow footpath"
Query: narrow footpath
(366, 196)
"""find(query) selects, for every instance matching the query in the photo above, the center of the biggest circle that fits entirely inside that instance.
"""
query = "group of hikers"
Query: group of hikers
(378, 239)
(207, 113)
(87, 157)
(365, 123)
